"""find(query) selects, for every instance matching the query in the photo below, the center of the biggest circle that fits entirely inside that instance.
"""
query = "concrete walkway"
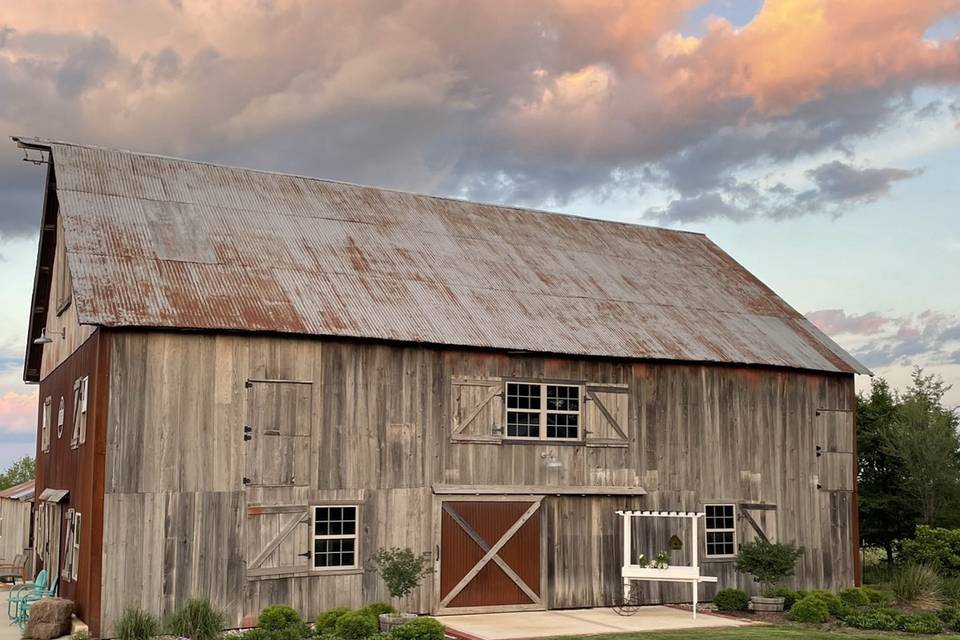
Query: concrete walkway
(580, 622)
(8, 631)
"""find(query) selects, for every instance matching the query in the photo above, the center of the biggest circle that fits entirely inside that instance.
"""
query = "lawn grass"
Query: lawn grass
(757, 633)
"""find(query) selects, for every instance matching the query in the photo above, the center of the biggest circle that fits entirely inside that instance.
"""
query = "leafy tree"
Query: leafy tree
(20, 471)
(927, 445)
(887, 514)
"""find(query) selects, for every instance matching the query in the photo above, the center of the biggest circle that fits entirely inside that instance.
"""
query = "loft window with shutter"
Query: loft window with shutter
(335, 537)
(540, 411)
(45, 424)
(61, 415)
(721, 531)
(62, 280)
(80, 388)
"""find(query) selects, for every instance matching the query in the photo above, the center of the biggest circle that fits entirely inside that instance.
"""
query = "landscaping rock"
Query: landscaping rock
(49, 618)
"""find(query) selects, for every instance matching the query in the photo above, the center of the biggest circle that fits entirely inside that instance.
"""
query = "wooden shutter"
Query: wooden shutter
(66, 572)
(278, 432)
(477, 409)
(277, 540)
(606, 413)
(758, 521)
(833, 433)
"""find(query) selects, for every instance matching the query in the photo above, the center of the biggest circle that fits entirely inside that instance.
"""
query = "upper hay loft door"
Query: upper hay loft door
(277, 433)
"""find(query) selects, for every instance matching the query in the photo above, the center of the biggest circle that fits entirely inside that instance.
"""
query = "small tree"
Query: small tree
(401, 570)
(767, 562)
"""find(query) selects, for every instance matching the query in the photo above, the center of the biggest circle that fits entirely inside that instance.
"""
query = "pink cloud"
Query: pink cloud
(18, 412)
(837, 322)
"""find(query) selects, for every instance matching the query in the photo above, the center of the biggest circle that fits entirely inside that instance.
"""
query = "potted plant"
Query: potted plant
(401, 570)
(768, 563)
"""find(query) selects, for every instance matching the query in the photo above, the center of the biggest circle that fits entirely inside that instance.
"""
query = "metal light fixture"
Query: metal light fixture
(45, 339)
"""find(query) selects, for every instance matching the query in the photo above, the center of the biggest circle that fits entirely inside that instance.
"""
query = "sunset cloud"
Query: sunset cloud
(533, 102)
(877, 340)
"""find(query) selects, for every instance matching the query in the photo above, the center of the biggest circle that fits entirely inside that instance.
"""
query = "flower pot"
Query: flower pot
(759, 603)
(390, 621)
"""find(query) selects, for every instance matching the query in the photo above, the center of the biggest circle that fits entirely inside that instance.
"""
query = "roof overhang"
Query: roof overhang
(54, 495)
(43, 273)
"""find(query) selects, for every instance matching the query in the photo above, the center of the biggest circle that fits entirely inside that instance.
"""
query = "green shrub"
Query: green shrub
(917, 585)
(731, 600)
(289, 633)
(950, 617)
(951, 591)
(280, 617)
(877, 618)
(401, 570)
(876, 596)
(356, 625)
(327, 621)
(423, 628)
(830, 600)
(936, 547)
(767, 562)
(854, 597)
(82, 634)
(378, 608)
(789, 596)
(197, 619)
(136, 624)
(921, 623)
(811, 610)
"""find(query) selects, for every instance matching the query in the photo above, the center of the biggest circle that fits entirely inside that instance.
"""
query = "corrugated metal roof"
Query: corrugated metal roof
(22, 491)
(163, 242)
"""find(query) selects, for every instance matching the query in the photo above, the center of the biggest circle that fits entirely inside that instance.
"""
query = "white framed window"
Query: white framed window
(45, 424)
(335, 536)
(720, 527)
(543, 411)
(80, 388)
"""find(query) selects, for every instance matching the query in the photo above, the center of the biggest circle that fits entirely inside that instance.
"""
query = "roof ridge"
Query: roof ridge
(45, 142)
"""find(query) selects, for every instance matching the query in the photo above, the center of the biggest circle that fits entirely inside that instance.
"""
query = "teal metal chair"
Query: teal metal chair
(24, 602)
(38, 585)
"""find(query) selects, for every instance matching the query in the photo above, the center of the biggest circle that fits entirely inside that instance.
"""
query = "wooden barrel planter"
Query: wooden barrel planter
(390, 621)
(766, 604)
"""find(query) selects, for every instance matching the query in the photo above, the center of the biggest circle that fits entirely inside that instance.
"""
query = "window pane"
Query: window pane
(563, 398)
(523, 425)
(523, 396)
(562, 425)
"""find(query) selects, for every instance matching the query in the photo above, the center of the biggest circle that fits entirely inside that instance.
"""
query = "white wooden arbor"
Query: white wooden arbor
(683, 573)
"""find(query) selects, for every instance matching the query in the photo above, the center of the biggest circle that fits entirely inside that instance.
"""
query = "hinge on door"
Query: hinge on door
(305, 554)
(248, 384)
(818, 451)
(246, 480)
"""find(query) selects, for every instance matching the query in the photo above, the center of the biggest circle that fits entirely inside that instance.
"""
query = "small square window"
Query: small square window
(538, 411)
(720, 529)
(335, 537)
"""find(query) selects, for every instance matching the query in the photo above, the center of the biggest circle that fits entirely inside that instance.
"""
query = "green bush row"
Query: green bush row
(199, 620)
(886, 619)
(196, 619)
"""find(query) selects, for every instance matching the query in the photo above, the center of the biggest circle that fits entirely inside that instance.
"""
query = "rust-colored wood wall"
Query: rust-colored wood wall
(79, 470)
(179, 519)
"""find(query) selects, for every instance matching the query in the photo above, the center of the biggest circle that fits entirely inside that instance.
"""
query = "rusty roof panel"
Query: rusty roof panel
(162, 242)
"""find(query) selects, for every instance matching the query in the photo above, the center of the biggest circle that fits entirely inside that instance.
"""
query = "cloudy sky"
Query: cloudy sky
(818, 141)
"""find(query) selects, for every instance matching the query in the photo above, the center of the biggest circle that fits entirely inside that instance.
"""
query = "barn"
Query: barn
(250, 382)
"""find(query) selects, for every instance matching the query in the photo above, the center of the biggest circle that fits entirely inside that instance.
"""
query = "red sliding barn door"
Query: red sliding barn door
(490, 555)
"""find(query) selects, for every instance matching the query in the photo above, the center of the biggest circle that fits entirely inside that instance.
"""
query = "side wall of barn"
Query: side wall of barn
(194, 507)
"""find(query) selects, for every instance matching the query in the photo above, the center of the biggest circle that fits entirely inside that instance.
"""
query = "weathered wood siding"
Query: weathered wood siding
(15, 534)
(384, 429)
(78, 469)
